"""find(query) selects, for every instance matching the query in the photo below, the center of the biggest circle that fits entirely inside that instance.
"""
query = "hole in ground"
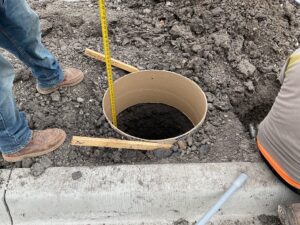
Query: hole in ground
(255, 115)
(153, 121)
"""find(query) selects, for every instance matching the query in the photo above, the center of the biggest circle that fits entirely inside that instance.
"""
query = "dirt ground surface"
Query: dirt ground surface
(232, 49)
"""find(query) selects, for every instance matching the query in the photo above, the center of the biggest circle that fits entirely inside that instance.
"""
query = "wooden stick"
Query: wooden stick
(101, 57)
(117, 143)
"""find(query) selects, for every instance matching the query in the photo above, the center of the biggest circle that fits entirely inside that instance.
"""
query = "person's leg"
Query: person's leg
(20, 34)
(14, 131)
(17, 141)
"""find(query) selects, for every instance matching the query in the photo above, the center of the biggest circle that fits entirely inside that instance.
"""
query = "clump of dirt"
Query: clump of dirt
(233, 49)
(153, 121)
(269, 220)
(181, 222)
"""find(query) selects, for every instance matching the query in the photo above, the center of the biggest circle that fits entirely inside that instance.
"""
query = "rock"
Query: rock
(236, 46)
(55, 96)
(147, 11)
(252, 131)
(249, 85)
(63, 45)
(203, 150)
(246, 68)
(221, 39)
(27, 163)
(46, 162)
(209, 128)
(99, 123)
(210, 106)
(176, 30)
(197, 26)
(222, 105)
(168, 4)
(210, 97)
(194, 148)
(217, 11)
(239, 89)
(196, 63)
(22, 75)
(196, 48)
(76, 175)
(182, 145)
(289, 7)
(37, 169)
(46, 27)
(158, 41)
(77, 47)
(162, 153)
(175, 148)
(80, 100)
(180, 31)
(189, 141)
(117, 157)
(196, 79)
(75, 21)
(139, 41)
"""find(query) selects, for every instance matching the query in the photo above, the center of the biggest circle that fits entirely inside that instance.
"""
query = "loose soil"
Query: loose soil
(233, 49)
(153, 121)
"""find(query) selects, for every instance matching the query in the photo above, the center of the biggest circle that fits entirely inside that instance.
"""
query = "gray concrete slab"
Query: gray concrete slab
(142, 194)
(4, 217)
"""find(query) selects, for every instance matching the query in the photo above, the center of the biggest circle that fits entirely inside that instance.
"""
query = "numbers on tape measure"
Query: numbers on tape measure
(103, 20)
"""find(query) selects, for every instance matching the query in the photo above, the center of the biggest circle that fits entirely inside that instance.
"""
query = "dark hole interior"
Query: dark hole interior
(255, 115)
(153, 121)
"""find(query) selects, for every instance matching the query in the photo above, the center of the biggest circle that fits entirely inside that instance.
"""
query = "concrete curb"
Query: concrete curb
(4, 217)
(142, 194)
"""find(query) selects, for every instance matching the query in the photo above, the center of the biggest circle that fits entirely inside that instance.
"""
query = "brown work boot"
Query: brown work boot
(72, 77)
(42, 142)
(289, 215)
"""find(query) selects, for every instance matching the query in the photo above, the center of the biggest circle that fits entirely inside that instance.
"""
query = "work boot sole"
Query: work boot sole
(49, 91)
(35, 154)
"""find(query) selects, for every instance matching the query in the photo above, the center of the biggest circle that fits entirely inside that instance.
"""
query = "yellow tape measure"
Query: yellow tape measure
(103, 20)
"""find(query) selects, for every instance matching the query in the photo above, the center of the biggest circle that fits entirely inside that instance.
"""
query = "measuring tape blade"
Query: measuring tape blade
(103, 20)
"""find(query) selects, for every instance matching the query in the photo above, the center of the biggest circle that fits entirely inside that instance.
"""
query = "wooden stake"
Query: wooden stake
(117, 143)
(101, 57)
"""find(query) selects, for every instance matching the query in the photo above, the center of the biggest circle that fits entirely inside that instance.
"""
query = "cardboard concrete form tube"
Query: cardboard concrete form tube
(156, 86)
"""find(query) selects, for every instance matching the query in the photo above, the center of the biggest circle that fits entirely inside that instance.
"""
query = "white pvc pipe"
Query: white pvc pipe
(233, 188)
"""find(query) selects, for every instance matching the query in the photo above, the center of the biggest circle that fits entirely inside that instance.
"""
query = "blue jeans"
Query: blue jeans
(20, 34)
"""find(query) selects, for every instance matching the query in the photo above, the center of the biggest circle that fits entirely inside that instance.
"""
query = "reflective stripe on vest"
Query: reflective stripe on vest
(277, 167)
(293, 60)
